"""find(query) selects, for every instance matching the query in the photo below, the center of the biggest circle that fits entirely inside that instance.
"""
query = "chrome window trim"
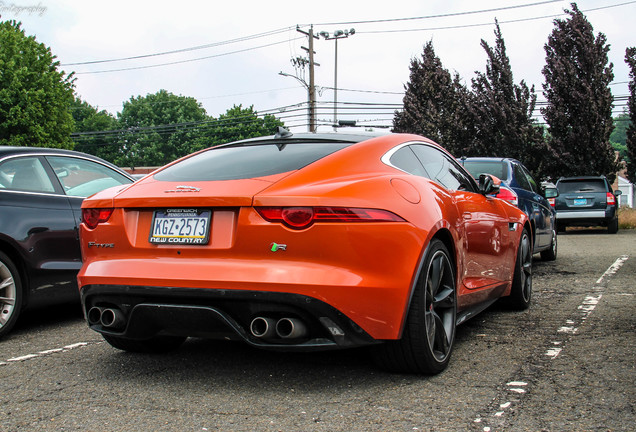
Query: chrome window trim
(386, 158)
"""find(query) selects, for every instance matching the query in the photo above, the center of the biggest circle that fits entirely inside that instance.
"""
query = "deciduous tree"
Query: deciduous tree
(34, 94)
(90, 124)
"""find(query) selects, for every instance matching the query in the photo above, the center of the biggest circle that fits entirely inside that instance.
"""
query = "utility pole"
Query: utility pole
(311, 88)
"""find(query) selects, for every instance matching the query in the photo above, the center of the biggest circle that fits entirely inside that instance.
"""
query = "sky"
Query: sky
(226, 53)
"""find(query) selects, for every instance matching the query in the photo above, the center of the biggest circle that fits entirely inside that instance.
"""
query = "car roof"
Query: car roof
(17, 150)
(12, 150)
(489, 159)
(582, 178)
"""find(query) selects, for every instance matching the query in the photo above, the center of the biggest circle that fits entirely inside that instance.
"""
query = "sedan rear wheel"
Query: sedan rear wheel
(10, 294)
(429, 335)
(551, 254)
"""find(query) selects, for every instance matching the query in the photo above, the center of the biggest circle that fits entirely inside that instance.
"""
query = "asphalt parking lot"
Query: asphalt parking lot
(566, 364)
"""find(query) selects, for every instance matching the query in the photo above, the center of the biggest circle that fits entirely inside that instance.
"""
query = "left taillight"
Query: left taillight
(304, 217)
(94, 216)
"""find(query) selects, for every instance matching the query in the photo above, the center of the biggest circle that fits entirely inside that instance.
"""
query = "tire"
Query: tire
(429, 333)
(551, 254)
(10, 294)
(521, 291)
(612, 226)
(157, 344)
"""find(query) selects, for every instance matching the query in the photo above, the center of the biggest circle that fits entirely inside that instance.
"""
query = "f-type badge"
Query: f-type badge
(275, 247)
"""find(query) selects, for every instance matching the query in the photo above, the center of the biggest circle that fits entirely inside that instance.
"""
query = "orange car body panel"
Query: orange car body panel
(365, 270)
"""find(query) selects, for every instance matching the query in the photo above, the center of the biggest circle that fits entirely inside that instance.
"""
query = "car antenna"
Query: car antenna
(281, 132)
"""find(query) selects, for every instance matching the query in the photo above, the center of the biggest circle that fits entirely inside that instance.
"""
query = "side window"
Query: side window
(406, 160)
(25, 174)
(533, 184)
(520, 175)
(442, 169)
(82, 178)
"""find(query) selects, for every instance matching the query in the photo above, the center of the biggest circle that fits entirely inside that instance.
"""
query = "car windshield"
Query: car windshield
(592, 185)
(248, 161)
(497, 168)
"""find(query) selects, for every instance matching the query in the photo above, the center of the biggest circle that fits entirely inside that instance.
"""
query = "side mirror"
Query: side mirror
(618, 192)
(488, 184)
(551, 193)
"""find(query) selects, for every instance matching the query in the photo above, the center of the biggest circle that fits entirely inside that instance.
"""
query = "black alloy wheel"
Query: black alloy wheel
(521, 291)
(429, 335)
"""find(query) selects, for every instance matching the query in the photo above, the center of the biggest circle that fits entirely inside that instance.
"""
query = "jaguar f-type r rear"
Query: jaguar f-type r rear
(304, 241)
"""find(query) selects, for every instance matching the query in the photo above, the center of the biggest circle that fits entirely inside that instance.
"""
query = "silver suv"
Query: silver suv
(586, 201)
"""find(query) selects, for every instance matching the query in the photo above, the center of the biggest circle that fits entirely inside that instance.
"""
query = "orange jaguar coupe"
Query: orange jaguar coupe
(304, 241)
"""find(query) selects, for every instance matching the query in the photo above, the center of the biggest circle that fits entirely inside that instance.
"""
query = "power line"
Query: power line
(435, 16)
(454, 27)
(181, 50)
(186, 61)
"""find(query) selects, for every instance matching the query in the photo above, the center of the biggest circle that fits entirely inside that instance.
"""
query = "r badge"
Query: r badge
(275, 247)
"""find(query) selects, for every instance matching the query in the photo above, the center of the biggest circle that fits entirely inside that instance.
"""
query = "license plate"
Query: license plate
(181, 226)
(580, 202)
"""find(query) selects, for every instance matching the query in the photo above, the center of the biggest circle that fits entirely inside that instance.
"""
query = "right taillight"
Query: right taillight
(552, 201)
(611, 199)
(508, 195)
(94, 216)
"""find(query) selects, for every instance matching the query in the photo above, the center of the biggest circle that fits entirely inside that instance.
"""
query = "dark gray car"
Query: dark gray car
(586, 201)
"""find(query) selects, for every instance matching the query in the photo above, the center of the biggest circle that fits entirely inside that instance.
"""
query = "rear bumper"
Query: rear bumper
(222, 314)
(586, 216)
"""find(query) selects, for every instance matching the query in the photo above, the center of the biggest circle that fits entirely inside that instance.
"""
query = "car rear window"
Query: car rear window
(592, 185)
(497, 168)
(248, 161)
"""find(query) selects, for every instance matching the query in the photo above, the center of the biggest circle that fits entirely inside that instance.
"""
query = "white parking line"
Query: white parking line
(39, 354)
(586, 307)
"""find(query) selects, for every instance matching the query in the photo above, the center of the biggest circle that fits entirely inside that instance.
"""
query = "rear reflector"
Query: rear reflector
(304, 217)
(94, 216)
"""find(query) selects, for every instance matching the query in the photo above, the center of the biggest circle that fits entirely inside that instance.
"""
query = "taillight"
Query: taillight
(94, 216)
(304, 217)
(552, 201)
(508, 195)
(611, 199)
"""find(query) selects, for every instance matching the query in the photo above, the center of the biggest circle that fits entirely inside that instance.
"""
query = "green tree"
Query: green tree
(34, 95)
(503, 111)
(158, 128)
(618, 138)
(630, 138)
(579, 111)
(240, 123)
(434, 104)
(89, 122)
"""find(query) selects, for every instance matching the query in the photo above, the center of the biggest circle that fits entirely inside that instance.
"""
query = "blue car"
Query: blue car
(519, 188)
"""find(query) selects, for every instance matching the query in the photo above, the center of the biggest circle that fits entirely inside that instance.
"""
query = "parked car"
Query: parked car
(587, 201)
(304, 241)
(521, 189)
(41, 192)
